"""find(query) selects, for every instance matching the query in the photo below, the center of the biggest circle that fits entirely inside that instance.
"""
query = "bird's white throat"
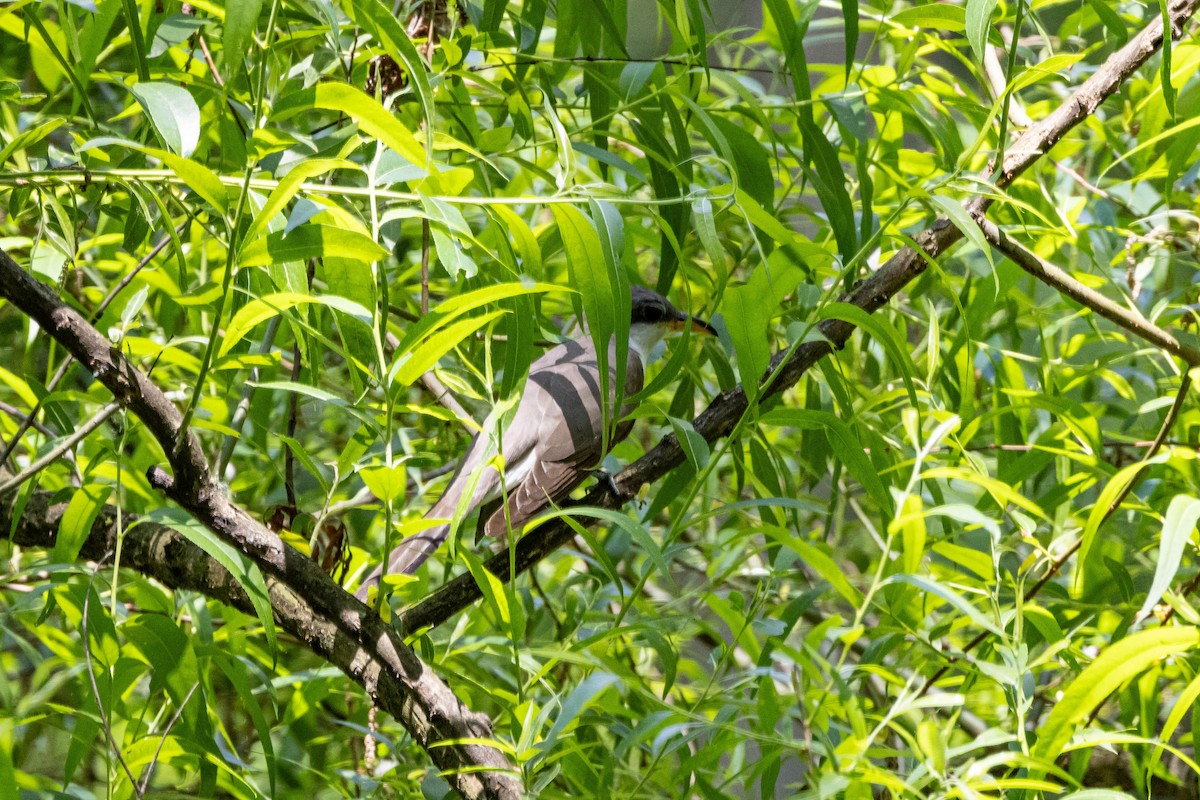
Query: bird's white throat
(645, 339)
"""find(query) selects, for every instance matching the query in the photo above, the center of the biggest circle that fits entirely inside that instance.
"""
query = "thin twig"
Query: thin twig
(17, 413)
(1058, 563)
(87, 657)
(1059, 280)
(242, 410)
(68, 361)
(166, 732)
(62, 447)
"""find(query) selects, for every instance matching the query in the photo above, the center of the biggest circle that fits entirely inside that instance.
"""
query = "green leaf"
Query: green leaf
(237, 673)
(262, 309)
(581, 697)
(373, 119)
(850, 34)
(174, 667)
(1111, 20)
(311, 241)
(760, 218)
(706, 230)
(821, 562)
(26, 139)
(451, 255)
(598, 286)
(693, 444)
(302, 455)
(386, 483)
(884, 334)
(1178, 525)
(746, 319)
(937, 16)
(957, 601)
(383, 25)
(979, 23)
(829, 181)
(240, 20)
(955, 212)
(175, 30)
(750, 162)
(845, 444)
(286, 189)
(77, 521)
(1108, 495)
(1115, 665)
(174, 113)
(199, 178)
(414, 363)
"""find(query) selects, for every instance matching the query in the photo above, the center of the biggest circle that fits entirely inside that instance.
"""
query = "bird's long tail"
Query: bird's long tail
(407, 557)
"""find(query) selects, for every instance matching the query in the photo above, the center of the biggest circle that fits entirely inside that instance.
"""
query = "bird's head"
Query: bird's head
(652, 317)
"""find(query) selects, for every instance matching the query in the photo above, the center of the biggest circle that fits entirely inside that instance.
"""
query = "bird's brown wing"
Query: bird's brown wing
(564, 398)
(555, 439)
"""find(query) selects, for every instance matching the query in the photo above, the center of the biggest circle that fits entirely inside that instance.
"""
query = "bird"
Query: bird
(555, 439)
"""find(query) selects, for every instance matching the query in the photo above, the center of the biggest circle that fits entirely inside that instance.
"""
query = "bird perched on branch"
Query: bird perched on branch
(556, 438)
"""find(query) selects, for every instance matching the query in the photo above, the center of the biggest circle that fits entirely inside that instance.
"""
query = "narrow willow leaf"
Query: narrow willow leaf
(286, 189)
(935, 16)
(1104, 501)
(979, 23)
(240, 20)
(372, 118)
(746, 319)
(311, 241)
(822, 563)
(850, 33)
(582, 696)
(383, 25)
(1178, 525)
(591, 276)
(930, 586)
(174, 113)
(77, 521)
(493, 590)
(845, 446)
(884, 334)
(1001, 492)
(1115, 665)
(262, 309)
(415, 363)
(1184, 704)
(28, 138)
(693, 444)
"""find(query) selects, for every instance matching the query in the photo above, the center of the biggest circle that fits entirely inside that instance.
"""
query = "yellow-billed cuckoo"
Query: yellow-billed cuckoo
(556, 438)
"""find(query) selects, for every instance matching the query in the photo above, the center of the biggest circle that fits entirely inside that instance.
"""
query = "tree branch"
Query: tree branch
(905, 266)
(305, 600)
(1057, 279)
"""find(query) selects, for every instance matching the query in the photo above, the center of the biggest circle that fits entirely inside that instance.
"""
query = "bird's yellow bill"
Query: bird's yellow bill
(697, 326)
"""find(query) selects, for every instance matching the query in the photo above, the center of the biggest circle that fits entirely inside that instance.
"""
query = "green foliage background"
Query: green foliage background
(764, 623)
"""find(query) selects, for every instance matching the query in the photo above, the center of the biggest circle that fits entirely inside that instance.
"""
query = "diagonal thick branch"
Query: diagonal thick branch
(306, 602)
(719, 419)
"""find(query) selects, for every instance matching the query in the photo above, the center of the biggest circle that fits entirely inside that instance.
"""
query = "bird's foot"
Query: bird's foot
(605, 477)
